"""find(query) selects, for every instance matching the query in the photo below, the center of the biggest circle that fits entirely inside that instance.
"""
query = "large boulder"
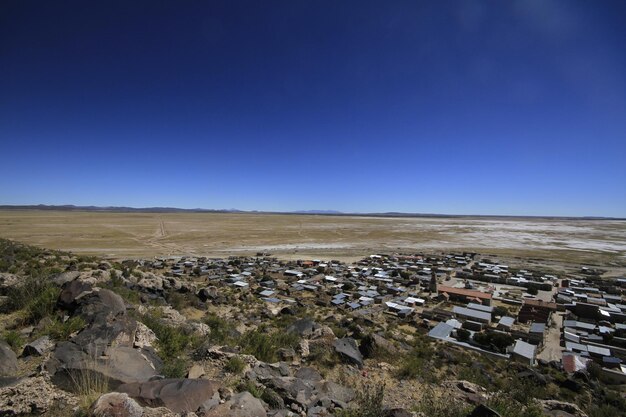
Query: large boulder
(71, 291)
(242, 404)
(32, 396)
(179, 395)
(375, 344)
(65, 277)
(349, 350)
(105, 350)
(8, 360)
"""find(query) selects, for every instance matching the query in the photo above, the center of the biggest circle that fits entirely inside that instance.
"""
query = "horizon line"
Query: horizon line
(167, 209)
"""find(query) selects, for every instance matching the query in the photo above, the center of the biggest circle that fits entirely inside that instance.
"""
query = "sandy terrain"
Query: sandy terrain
(123, 235)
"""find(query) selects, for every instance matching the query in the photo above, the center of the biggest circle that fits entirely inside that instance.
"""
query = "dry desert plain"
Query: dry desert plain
(126, 235)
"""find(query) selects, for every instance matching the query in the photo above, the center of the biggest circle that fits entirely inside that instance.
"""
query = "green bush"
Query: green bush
(369, 403)
(14, 339)
(175, 367)
(222, 332)
(59, 330)
(264, 345)
(43, 304)
(235, 365)
(172, 341)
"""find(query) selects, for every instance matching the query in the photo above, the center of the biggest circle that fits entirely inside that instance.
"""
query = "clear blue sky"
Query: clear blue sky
(494, 107)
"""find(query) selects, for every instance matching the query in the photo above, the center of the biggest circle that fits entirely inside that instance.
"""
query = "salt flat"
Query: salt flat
(121, 235)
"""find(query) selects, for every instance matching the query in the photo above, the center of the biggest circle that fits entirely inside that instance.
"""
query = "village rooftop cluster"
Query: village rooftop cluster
(461, 298)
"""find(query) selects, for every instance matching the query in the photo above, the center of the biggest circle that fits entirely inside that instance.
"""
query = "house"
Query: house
(474, 315)
(536, 333)
(537, 311)
(464, 295)
(524, 352)
(506, 323)
(441, 331)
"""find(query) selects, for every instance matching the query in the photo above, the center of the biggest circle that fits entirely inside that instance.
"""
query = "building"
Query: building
(464, 295)
(473, 315)
(524, 352)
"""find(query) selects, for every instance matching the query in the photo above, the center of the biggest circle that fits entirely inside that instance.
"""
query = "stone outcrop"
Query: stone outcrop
(105, 349)
(8, 360)
(349, 351)
(178, 395)
(242, 404)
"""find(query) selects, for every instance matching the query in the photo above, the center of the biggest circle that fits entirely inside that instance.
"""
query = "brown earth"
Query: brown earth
(124, 235)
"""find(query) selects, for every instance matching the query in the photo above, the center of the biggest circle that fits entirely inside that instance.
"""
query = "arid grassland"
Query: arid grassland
(122, 235)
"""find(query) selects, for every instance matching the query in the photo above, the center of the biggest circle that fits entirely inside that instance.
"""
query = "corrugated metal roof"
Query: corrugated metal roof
(524, 349)
(480, 307)
(467, 312)
(506, 321)
(441, 331)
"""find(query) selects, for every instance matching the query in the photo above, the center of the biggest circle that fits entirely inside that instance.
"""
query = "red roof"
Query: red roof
(464, 292)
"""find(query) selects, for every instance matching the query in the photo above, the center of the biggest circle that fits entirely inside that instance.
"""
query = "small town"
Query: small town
(463, 299)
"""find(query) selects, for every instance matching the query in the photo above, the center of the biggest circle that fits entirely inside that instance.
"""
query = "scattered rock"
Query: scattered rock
(302, 327)
(8, 280)
(144, 336)
(553, 407)
(31, 396)
(38, 347)
(242, 404)
(375, 344)
(178, 395)
(208, 293)
(71, 291)
(65, 277)
(8, 360)
(482, 410)
(196, 371)
(349, 350)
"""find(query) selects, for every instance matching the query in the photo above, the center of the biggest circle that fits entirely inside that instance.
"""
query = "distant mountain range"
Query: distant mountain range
(122, 209)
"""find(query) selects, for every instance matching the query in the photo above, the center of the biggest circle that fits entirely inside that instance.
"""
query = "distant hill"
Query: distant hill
(123, 209)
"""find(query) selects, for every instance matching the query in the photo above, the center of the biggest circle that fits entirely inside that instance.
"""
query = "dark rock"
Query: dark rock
(287, 311)
(374, 344)
(71, 290)
(482, 410)
(8, 360)
(302, 327)
(100, 305)
(208, 293)
(571, 384)
(38, 347)
(310, 374)
(179, 395)
(105, 349)
(399, 412)
(349, 350)
(239, 405)
(318, 411)
(286, 354)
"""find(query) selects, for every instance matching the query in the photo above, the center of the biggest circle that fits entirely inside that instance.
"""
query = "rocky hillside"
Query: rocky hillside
(81, 336)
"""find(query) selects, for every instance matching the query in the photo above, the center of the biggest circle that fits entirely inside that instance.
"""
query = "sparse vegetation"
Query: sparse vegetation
(235, 365)
(264, 345)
